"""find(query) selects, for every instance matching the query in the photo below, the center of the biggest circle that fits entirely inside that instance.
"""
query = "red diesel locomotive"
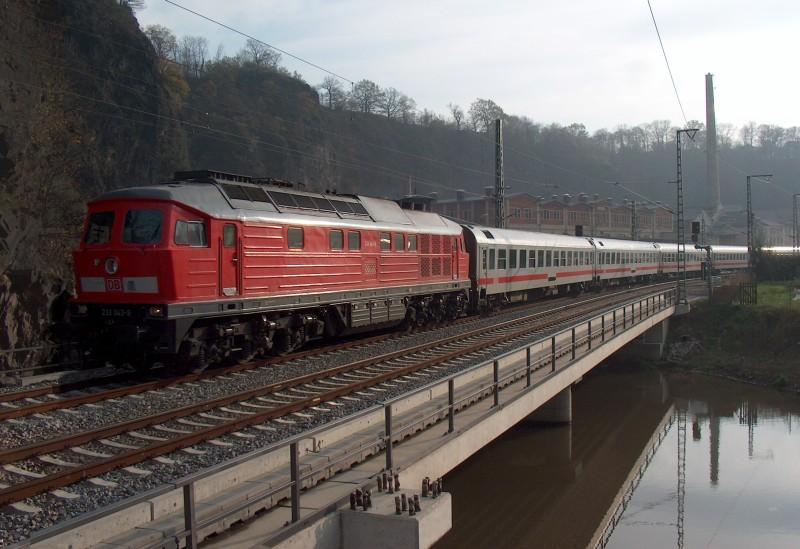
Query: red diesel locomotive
(212, 265)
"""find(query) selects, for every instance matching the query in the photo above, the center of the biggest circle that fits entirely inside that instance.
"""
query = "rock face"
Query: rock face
(72, 77)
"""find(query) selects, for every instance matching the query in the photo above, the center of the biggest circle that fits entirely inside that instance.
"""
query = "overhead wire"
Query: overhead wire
(666, 60)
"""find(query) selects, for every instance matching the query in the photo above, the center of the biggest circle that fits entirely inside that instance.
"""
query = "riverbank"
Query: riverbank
(757, 344)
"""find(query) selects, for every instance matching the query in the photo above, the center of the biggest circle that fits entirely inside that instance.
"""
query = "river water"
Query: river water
(681, 461)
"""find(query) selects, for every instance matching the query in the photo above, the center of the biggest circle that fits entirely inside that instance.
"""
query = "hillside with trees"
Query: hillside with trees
(91, 102)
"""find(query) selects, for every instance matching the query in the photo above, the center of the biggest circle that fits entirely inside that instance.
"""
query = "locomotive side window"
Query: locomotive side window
(142, 227)
(353, 241)
(294, 238)
(229, 236)
(337, 240)
(386, 242)
(99, 229)
(190, 233)
(399, 243)
(412, 243)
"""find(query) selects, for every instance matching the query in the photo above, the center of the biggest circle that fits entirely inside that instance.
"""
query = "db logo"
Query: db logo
(113, 284)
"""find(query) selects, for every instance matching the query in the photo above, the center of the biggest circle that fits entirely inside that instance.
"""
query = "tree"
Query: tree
(259, 54)
(193, 54)
(134, 5)
(748, 133)
(457, 113)
(365, 96)
(408, 109)
(483, 113)
(332, 92)
(163, 41)
(389, 103)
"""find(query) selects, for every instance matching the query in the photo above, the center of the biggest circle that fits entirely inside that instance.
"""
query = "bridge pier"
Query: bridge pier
(556, 410)
(651, 343)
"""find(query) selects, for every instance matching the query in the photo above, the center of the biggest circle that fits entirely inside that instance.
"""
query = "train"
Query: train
(213, 266)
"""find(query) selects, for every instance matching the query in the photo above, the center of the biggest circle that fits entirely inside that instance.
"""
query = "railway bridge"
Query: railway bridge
(300, 492)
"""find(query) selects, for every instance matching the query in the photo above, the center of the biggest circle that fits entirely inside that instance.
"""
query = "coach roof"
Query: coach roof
(491, 236)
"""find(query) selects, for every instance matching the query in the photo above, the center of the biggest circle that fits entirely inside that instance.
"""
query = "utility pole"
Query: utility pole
(795, 231)
(633, 220)
(750, 242)
(683, 302)
(499, 180)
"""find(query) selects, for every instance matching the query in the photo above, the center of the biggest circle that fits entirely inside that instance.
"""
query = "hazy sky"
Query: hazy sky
(592, 61)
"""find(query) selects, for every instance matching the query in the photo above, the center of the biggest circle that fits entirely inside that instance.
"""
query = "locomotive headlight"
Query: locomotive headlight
(112, 265)
(156, 310)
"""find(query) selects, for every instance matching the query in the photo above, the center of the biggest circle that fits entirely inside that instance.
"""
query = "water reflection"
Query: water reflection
(664, 460)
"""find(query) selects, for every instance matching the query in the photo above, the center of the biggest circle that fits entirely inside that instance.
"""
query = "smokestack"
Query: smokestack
(712, 158)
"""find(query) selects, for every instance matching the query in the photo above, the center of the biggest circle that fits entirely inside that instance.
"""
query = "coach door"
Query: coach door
(230, 262)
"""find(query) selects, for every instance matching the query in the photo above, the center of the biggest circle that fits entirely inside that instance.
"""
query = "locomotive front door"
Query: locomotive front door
(230, 262)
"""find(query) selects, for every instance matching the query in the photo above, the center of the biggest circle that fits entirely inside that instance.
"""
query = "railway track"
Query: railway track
(40, 400)
(53, 464)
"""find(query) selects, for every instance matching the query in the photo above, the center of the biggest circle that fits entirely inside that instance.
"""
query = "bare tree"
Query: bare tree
(163, 41)
(365, 96)
(483, 113)
(408, 109)
(457, 113)
(333, 93)
(725, 135)
(389, 103)
(134, 5)
(748, 133)
(259, 54)
(193, 54)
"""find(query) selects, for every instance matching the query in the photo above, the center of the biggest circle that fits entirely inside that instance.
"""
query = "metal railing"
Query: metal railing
(624, 316)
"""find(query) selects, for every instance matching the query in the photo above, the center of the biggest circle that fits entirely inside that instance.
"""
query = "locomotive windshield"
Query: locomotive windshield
(98, 230)
(142, 227)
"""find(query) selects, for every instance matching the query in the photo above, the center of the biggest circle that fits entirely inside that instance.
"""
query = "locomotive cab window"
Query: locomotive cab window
(336, 240)
(142, 227)
(386, 242)
(412, 243)
(98, 230)
(354, 241)
(229, 236)
(294, 238)
(190, 233)
(399, 243)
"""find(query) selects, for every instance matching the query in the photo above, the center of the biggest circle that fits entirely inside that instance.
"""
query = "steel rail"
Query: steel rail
(60, 479)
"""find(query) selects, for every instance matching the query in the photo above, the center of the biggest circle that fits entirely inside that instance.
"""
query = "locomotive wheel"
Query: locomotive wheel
(282, 343)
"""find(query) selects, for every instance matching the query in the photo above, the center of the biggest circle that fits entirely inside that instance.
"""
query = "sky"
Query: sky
(596, 62)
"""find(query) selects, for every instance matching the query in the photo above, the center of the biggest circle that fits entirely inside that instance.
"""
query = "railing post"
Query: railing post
(624, 317)
(528, 367)
(603, 328)
(496, 368)
(387, 412)
(589, 337)
(614, 322)
(633, 314)
(451, 410)
(573, 343)
(640, 309)
(189, 516)
(294, 465)
(553, 353)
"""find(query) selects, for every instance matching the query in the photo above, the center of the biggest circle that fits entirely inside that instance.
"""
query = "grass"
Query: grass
(778, 294)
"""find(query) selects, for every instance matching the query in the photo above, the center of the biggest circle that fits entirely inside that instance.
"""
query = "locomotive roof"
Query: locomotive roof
(525, 238)
(255, 202)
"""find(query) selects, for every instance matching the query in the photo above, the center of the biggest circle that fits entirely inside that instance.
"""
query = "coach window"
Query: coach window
(547, 258)
(399, 243)
(386, 242)
(540, 258)
(229, 235)
(294, 238)
(491, 259)
(484, 262)
(142, 227)
(563, 258)
(523, 259)
(353, 241)
(501, 260)
(99, 228)
(512, 259)
(190, 233)
(336, 240)
(569, 259)
(412, 243)
(531, 259)
(556, 260)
